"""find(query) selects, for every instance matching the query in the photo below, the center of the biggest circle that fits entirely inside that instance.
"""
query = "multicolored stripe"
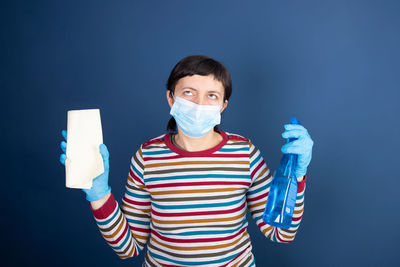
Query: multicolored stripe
(190, 207)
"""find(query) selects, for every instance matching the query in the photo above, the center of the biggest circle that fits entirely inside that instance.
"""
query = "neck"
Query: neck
(208, 141)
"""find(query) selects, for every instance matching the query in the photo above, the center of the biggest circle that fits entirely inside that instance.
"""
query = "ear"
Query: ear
(224, 105)
(170, 99)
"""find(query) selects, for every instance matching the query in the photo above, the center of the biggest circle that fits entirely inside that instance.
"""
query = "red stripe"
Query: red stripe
(135, 177)
(301, 185)
(237, 137)
(169, 265)
(121, 236)
(197, 184)
(147, 203)
(237, 256)
(199, 213)
(281, 240)
(106, 210)
(149, 142)
(136, 252)
(257, 168)
(137, 229)
(297, 218)
(214, 156)
(196, 240)
(258, 198)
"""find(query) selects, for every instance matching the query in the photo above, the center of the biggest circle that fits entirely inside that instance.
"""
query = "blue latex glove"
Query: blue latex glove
(302, 146)
(100, 186)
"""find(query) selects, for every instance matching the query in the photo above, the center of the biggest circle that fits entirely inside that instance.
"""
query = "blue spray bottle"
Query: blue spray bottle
(282, 195)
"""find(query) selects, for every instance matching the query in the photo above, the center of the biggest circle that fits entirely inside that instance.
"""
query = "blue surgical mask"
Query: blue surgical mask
(195, 120)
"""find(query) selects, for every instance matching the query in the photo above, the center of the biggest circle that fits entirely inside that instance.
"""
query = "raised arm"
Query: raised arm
(126, 228)
(257, 199)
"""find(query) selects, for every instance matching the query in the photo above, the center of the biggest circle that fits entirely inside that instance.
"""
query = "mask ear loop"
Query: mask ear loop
(173, 96)
(174, 135)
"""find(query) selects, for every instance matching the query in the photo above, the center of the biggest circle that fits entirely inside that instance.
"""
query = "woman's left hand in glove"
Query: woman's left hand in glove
(302, 146)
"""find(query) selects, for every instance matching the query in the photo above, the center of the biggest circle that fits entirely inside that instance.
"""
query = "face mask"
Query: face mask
(195, 120)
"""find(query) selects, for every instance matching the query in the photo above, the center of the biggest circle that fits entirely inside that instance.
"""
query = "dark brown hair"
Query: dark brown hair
(200, 65)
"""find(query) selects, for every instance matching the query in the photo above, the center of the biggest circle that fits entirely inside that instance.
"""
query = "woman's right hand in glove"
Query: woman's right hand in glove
(100, 187)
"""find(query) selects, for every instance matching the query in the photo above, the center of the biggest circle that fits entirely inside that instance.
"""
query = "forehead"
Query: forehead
(201, 83)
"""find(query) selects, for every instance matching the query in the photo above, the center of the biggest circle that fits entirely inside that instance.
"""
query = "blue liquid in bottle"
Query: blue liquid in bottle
(282, 195)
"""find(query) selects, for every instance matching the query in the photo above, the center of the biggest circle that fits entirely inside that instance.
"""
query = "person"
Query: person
(188, 190)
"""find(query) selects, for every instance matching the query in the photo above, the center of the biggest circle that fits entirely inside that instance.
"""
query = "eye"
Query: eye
(187, 92)
(213, 96)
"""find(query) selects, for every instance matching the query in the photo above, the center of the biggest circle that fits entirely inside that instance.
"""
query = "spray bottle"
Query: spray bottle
(282, 195)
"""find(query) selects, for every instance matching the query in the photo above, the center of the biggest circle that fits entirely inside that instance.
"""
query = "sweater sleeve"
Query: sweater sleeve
(126, 228)
(257, 198)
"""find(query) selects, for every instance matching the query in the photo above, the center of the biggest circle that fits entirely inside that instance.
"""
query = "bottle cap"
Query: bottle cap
(293, 120)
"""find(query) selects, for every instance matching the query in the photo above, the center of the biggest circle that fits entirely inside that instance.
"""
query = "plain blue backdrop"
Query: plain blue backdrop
(333, 64)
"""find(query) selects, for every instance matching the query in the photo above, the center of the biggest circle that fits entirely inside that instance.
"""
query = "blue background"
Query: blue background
(333, 64)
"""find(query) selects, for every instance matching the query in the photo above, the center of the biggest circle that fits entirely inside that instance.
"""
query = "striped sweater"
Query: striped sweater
(190, 207)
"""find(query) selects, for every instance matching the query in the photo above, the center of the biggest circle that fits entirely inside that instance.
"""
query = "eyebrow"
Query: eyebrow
(212, 91)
